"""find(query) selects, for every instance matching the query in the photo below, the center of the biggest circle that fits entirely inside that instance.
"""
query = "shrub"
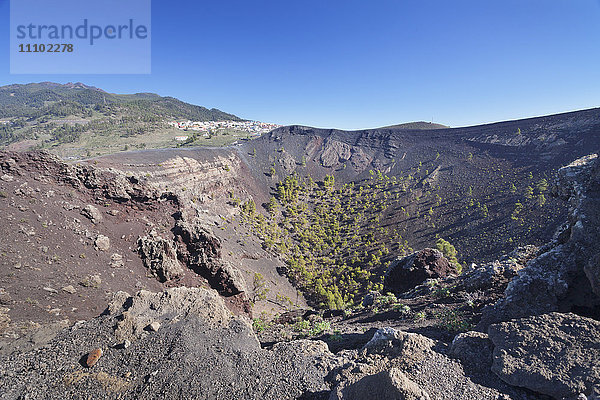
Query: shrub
(453, 321)
(419, 316)
(259, 288)
(389, 298)
(301, 326)
(259, 325)
(402, 308)
(319, 327)
(442, 292)
(449, 252)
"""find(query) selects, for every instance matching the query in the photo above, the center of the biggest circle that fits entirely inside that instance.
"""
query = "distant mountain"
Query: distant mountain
(420, 125)
(75, 120)
(36, 100)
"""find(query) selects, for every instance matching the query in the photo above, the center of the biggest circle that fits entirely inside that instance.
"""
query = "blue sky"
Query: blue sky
(357, 64)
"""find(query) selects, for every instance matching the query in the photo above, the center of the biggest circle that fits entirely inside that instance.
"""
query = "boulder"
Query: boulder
(69, 289)
(554, 354)
(370, 298)
(474, 350)
(411, 347)
(116, 260)
(102, 243)
(137, 312)
(92, 213)
(407, 272)
(392, 384)
(159, 256)
(91, 281)
(230, 279)
(153, 327)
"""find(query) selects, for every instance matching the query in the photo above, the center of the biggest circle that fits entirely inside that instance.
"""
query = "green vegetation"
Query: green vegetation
(32, 302)
(259, 288)
(337, 239)
(449, 251)
(420, 316)
(38, 100)
(454, 321)
(84, 119)
(306, 329)
(334, 240)
(260, 324)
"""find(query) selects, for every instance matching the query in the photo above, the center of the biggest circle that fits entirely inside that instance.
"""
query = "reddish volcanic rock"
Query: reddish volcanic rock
(407, 272)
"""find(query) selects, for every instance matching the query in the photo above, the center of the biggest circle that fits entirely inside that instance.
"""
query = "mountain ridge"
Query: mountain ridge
(26, 100)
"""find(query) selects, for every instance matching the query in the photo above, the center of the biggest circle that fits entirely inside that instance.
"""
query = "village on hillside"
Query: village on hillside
(252, 127)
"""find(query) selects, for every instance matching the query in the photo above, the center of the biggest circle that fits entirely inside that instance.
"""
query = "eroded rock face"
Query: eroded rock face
(407, 272)
(554, 354)
(335, 152)
(566, 276)
(200, 250)
(159, 256)
(111, 183)
(498, 272)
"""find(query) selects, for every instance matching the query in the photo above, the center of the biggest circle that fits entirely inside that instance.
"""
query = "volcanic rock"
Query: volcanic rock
(138, 312)
(154, 326)
(93, 357)
(5, 298)
(498, 272)
(553, 354)
(370, 298)
(200, 249)
(335, 152)
(69, 289)
(566, 276)
(474, 349)
(92, 213)
(102, 243)
(159, 257)
(200, 351)
(407, 272)
(386, 385)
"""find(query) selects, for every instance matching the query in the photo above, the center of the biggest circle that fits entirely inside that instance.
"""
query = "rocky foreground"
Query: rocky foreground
(540, 340)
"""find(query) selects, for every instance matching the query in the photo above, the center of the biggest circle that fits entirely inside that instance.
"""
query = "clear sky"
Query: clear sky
(358, 64)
